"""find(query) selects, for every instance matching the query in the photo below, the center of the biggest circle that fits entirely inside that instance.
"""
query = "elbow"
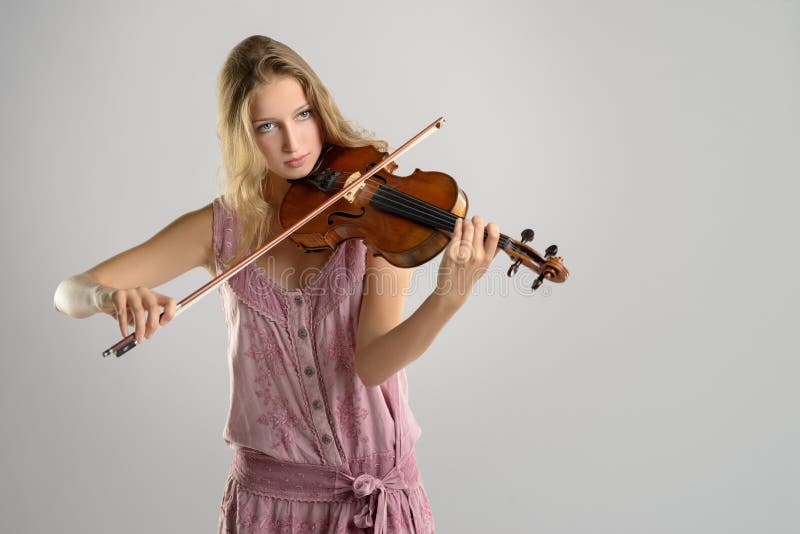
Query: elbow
(363, 375)
(368, 381)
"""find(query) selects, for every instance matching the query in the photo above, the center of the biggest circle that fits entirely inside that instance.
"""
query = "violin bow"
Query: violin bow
(354, 182)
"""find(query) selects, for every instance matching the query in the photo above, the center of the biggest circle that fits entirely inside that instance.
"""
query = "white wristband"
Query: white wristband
(80, 296)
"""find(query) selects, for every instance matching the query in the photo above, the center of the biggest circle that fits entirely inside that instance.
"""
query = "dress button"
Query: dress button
(326, 439)
(298, 300)
(309, 371)
(316, 404)
(302, 333)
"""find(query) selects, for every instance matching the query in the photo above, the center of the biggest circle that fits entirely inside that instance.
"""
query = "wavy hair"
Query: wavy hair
(253, 62)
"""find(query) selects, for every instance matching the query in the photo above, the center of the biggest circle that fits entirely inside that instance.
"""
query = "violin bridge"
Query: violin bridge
(351, 196)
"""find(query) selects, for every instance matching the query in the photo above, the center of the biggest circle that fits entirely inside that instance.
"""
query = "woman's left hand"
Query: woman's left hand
(466, 258)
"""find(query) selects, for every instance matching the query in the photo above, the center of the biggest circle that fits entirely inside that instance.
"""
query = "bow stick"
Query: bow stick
(129, 342)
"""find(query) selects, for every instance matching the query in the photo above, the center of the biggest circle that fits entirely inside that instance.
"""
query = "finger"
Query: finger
(477, 239)
(153, 311)
(467, 234)
(123, 324)
(121, 310)
(169, 305)
(135, 304)
(492, 239)
(458, 230)
(452, 248)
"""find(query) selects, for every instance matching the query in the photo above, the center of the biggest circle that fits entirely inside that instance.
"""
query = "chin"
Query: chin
(294, 174)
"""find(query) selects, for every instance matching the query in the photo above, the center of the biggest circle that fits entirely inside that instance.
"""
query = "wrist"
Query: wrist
(446, 302)
(77, 296)
(101, 298)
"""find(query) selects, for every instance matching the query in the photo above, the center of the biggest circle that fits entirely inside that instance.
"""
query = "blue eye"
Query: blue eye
(261, 127)
(305, 114)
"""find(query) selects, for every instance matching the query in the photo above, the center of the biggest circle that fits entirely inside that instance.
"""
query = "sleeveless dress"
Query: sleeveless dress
(315, 451)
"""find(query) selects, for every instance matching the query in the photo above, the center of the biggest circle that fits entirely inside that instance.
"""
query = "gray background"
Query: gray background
(655, 142)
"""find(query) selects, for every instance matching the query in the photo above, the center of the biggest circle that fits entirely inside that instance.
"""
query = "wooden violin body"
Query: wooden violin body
(385, 213)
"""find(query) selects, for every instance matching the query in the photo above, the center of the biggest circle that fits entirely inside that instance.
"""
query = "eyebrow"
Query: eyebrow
(272, 119)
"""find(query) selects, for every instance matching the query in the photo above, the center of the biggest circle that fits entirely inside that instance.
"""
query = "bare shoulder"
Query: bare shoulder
(185, 243)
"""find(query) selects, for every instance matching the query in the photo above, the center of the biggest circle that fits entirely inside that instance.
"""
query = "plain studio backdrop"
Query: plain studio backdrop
(656, 143)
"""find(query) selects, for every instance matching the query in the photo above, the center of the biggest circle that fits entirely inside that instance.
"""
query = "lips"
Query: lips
(297, 162)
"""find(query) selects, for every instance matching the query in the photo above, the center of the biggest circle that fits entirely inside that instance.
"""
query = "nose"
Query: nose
(289, 140)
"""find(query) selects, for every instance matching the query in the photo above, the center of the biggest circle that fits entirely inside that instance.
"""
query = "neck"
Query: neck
(273, 189)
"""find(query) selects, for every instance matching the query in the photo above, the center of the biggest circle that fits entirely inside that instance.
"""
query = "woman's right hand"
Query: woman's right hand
(139, 308)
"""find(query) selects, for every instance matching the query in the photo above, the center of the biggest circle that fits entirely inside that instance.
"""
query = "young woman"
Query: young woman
(319, 419)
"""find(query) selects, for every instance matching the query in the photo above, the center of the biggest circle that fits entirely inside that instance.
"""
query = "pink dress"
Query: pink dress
(315, 451)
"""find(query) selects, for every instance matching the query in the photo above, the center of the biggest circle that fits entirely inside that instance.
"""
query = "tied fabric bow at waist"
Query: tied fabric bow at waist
(368, 486)
(261, 474)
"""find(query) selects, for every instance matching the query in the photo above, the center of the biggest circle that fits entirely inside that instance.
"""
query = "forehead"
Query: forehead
(279, 98)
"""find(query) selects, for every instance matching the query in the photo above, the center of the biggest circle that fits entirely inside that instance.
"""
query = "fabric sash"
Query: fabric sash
(261, 474)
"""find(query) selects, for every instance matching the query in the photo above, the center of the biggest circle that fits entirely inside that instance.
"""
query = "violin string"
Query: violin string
(446, 219)
(436, 214)
(428, 213)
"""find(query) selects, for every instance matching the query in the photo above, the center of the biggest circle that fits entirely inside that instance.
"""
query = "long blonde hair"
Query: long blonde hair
(252, 63)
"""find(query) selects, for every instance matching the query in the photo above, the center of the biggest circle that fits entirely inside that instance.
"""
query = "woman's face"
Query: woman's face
(285, 128)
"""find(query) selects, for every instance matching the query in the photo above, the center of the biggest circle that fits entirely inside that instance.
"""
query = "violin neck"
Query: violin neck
(404, 205)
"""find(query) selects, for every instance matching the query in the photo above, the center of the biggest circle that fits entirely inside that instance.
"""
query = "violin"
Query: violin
(407, 220)
(351, 193)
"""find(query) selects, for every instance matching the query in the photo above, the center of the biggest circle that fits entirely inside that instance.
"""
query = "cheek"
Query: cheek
(266, 147)
(314, 132)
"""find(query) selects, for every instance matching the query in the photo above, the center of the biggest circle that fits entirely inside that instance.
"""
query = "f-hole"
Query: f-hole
(346, 215)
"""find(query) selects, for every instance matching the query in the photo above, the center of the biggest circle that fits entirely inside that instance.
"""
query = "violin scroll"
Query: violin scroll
(549, 267)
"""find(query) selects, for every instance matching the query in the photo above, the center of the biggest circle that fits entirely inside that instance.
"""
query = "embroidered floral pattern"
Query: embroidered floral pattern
(284, 423)
(427, 515)
(350, 418)
(264, 353)
(274, 525)
(341, 355)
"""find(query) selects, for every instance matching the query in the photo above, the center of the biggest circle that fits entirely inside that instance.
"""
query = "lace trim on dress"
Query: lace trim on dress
(246, 285)
(256, 291)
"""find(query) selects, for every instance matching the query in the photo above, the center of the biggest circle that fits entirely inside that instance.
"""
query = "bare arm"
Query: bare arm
(385, 344)
(120, 286)
(182, 245)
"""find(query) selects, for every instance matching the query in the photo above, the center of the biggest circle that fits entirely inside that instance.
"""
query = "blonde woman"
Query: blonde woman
(319, 422)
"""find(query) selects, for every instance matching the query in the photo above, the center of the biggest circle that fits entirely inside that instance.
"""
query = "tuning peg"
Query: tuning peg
(527, 235)
(537, 282)
(514, 267)
(551, 251)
